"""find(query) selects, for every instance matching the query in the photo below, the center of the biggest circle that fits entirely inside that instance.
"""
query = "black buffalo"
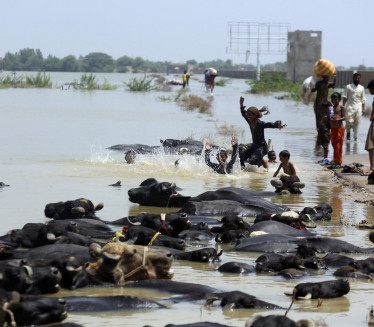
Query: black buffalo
(321, 290)
(79, 208)
(109, 303)
(201, 255)
(277, 262)
(29, 310)
(236, 268)
(152, 193)
(28, 279)
(141, 235)
(280, 243)
(250, 208)
(240, 300)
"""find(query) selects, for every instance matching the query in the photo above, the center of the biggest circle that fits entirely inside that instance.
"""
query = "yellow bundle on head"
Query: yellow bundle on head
(324, 67)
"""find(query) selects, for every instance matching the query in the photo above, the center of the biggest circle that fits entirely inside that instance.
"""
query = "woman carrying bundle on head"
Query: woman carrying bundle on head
(258, 149)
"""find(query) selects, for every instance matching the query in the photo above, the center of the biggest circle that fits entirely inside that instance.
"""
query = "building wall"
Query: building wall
(304, 49)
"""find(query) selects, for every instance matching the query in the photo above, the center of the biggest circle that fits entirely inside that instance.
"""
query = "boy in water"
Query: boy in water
(258, 149)
(222, 167)
(130, 157)
(337, 128)
(289, 180)
(272, 157)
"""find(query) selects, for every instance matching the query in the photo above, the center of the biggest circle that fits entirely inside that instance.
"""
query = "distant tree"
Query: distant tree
(52, 64)
(98, 62)
(69, 64)
(191, 62)
(123, 63)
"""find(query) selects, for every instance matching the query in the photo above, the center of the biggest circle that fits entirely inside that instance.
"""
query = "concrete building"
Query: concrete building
(304, 49)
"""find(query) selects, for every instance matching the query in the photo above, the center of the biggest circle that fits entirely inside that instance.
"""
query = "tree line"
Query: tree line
(97, 62)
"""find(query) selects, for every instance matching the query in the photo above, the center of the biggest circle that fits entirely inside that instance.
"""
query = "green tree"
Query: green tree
(52, 64)
(123, 63)
(98, 62)
(69, 64)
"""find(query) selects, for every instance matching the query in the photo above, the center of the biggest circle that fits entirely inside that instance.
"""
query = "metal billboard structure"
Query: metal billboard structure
(257, 38)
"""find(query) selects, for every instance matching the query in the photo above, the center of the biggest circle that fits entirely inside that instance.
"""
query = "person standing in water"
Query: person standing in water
(322, 88)
(354, 103)
(337, 128)
(259, 148)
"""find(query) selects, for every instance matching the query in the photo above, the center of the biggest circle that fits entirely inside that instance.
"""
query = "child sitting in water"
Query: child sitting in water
(222, 167)
(289, 180)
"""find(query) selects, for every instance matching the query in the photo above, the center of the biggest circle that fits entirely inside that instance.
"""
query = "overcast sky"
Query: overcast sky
(176, 31)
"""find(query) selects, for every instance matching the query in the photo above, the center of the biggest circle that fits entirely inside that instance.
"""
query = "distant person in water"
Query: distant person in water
(272, 157)
(257, 150)
(222, 167)
(289, 180)
(130, 157)
(184, 79)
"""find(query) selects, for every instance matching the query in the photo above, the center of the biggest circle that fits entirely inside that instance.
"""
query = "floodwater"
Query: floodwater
(54, 148)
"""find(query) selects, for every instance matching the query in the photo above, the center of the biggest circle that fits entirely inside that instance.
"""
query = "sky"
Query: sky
(177, 31)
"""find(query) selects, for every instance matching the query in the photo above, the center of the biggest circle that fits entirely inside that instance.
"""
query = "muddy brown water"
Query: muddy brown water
(53, 148)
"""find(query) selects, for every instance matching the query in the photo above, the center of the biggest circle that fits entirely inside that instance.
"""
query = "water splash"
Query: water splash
(100, 155)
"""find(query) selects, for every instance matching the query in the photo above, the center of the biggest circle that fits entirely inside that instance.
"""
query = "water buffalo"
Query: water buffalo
(140, 235)
(291, 273)
(54, 251)
(230, 223)
(119, 262)
(333, 260)
(28, 279)
(277, 321)
(278, 262)
(175, 146)
(109, 303)
(280, 243)
(138, 148)
(231, 193)
(33, 309)
(200, 255)
(79, 208)
(93, 228)
(324, 290)
(172, 287)
(274, 227)
(250, 208)
(236, 268)
(35, 234)
(153, 193)
(351, 272)
(171, 224)
(238, 300)
(366, 266)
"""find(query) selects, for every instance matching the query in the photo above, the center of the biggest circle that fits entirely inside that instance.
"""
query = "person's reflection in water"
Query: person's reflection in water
(351, 148)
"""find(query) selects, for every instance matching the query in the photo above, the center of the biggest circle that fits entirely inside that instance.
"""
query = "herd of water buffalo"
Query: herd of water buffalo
(77, 249)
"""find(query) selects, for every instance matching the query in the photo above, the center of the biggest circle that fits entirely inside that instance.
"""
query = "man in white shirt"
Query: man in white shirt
(354, 103)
